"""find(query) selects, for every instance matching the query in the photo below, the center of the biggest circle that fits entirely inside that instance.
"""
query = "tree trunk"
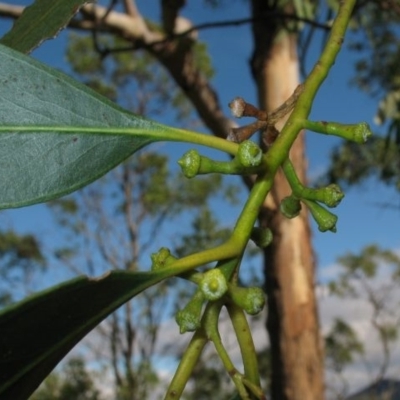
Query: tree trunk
(292, 323)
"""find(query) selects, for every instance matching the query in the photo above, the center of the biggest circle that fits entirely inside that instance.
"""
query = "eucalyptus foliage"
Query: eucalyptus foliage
(58, 136)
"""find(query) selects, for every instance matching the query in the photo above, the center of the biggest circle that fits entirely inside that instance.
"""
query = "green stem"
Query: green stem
(246, 344)
(249, 214)
(164, 133)
(235, 245)
(227, 267)
(256, 390)
(280, 149)
(241, 233)
(234, 167)
(229, 249)
(330, 195)
(211, 317)
(186, 365)
(297, 187)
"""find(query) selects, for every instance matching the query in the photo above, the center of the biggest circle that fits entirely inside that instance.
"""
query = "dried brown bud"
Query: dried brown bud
(237, 106)
(240, 108)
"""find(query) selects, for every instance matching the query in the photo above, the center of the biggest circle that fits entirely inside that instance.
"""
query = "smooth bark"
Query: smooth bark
(292, 323)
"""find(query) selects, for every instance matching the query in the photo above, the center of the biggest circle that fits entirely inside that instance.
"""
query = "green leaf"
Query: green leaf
(57, 135)
(40, 21)
(39, 331)
(38, 166)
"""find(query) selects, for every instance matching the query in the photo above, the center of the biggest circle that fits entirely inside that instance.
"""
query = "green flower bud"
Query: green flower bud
(333, 195)
(189, 318)
(262, 237)
(362, 132)
(325, 219)
(290, 207)
(249, 154)
(213, 284)
(190, 163)
(358, 133)
(251, 300)
(161, 259)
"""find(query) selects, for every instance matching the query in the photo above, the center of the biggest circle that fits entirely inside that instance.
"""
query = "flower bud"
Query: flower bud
(190, 163)
(290, 207)
(251, 300)
(189, 318)
(262, 237)
(249, 154)
(362, 132)
(161, 259)
(333, 195)
(358, 133)
(213, 284)
(325, 220)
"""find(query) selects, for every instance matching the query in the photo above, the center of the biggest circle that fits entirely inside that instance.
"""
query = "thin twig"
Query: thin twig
(219, 24)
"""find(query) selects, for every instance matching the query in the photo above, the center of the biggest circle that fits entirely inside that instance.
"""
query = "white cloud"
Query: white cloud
(358, 314)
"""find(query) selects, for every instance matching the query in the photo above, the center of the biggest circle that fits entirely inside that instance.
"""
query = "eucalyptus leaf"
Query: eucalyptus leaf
(57, 135)
(40, 21)
(37, 166)
(39, 331)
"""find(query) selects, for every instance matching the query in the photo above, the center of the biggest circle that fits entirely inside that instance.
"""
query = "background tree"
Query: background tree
(375, 40)
(288, 263)
(342, 346)
(20, 257)
(73, 383)
(372, 279)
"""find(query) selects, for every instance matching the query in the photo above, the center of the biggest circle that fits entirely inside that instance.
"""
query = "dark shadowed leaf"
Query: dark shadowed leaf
(39, 331)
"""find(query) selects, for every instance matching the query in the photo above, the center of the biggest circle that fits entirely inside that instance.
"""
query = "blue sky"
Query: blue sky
(361, 219)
